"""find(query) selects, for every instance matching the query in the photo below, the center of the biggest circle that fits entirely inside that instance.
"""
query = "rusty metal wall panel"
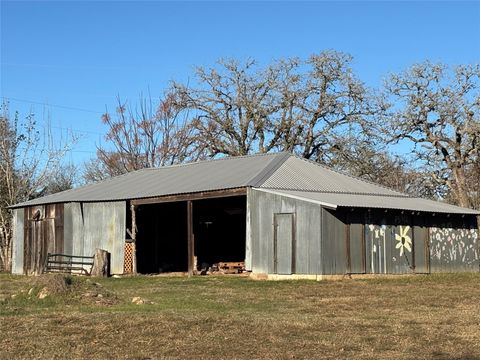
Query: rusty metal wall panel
(104, 228)
(18, 241)
(263, 206)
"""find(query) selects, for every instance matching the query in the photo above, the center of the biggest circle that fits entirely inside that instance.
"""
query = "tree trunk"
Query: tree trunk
(461, 187)
(100, 263)
(6, 250)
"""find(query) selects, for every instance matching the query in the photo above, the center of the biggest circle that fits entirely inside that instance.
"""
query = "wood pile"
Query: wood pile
(230, 267)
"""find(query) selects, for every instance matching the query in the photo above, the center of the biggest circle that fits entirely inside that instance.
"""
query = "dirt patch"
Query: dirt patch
(67, 289)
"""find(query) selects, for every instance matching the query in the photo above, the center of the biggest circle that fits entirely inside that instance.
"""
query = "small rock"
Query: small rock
(14, 296)
(100, 296)
(138, 300)
(30, 292)
(43, 293)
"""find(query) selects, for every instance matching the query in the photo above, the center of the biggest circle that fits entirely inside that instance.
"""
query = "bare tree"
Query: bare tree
(142, 136)
(366, 158)
(439, 112)
(29, 159)
(292, 104)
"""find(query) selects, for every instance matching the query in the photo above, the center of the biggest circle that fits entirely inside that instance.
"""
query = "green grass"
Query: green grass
(436, 316)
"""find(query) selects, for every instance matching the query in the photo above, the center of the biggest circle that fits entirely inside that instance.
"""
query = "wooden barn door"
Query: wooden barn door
(284, 243)
(43, 234)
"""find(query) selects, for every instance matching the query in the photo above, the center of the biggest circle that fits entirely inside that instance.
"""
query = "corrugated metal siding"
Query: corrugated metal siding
(97, 225)
(248, 234)
(74, 233)
(334, 246)
(284, 242)
(18, 243)
(357, 249)
(105, 229)
(454, 246)
(67, 229)
(263, 207)
(420, 244)
(375, 201)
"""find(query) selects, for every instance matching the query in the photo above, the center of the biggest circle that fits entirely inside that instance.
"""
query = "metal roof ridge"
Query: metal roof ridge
(348, 175)
(198, 162)
(269, 169)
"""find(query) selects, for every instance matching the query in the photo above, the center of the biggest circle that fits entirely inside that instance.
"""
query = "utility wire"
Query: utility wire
(77, 130)
(52, 105)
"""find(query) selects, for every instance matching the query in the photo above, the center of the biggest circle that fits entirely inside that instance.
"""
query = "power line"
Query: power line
(52, 105)
(77, 130)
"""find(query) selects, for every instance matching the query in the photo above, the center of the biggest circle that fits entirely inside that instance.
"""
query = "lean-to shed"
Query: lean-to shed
(277, 212)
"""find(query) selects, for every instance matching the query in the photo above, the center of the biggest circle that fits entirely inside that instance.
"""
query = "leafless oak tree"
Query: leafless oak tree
(292, 104)
(438, 110)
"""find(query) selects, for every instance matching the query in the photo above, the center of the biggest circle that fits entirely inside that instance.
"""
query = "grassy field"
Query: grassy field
(412, 317)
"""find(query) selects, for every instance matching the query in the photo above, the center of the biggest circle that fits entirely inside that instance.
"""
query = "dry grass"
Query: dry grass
(435, 316)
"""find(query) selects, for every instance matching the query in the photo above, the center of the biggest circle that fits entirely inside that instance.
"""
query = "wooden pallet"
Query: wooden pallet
(231, 267)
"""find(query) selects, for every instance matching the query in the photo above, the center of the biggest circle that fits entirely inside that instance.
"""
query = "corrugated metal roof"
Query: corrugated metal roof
(225, 173)
(334, 200)
(300, 174)
(281, 172)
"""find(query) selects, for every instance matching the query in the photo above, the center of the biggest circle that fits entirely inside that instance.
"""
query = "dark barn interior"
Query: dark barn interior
(162, 238)
(219, 229)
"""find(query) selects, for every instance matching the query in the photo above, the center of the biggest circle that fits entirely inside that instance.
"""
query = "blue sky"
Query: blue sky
(80, 55)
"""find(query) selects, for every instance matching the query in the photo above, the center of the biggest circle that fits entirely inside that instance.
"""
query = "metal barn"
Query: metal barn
(278, 213)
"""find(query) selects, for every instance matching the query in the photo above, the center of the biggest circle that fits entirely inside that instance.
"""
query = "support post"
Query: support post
(190, 239)
(134, 239)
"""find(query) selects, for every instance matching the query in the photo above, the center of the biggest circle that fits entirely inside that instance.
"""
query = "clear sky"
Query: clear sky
(78, 56)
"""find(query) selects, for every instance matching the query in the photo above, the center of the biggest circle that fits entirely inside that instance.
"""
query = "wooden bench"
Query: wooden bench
(69, 264)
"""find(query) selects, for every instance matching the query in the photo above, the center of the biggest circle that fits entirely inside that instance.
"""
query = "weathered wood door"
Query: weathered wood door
(284, 243)
(43, 233)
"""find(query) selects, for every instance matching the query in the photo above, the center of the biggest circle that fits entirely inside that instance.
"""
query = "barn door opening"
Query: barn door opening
(284, 243)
